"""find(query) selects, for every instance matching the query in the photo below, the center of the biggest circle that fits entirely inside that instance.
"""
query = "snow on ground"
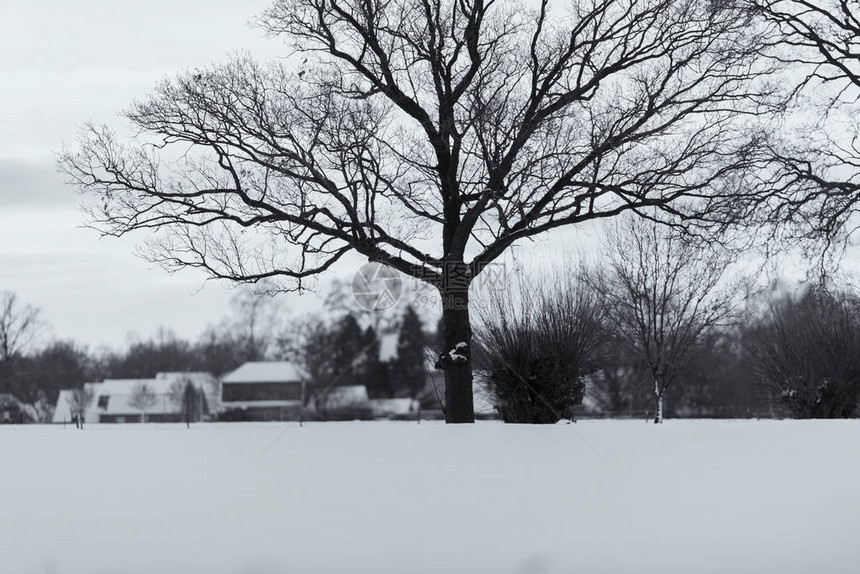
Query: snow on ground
(395, 497)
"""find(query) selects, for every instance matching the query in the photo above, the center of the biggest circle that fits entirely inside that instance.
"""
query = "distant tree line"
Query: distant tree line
(658, 325)
(339, 346)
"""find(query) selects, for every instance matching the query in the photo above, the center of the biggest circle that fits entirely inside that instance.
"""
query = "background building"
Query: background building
(263, 390)
(113, 399)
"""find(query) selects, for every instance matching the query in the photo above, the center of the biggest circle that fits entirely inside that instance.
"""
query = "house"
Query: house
(112, 399)
(263, 390)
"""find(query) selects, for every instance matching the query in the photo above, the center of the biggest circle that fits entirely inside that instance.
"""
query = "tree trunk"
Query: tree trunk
(658, 403)
(456, 358)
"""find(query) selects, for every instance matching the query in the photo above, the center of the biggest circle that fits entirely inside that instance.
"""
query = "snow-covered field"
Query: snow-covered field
(685, 497)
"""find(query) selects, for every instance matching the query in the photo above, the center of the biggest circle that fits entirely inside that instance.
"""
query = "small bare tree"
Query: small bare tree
(308, 341)
(660, 292)
(806, 352)
(20, 325)
(143, 398)
(79, 401)
(256, 317)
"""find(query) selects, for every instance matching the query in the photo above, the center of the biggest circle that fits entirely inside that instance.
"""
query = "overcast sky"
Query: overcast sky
(64, 63)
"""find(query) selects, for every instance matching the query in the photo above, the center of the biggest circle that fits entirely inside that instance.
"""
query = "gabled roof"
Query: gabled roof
(266, 372)
(124, 386)
(61, 410)
(161, 384)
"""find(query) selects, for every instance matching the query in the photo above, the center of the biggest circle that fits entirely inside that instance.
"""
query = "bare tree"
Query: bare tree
(308, 341)
(20, 325)
(810, 175)
(256, 317)
(79, 401)
(142, 398)
(431, 136)
(661, 292)
(805, 353)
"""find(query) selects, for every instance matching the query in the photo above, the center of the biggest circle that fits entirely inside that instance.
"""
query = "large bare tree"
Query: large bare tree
(431, 135)
(809, 174)
(660, 293)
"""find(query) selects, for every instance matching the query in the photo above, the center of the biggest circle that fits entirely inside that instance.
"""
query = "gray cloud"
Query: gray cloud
(33, 184)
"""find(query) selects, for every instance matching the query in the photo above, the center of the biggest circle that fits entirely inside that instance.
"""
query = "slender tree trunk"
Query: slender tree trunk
(456, 358)
(658, 404)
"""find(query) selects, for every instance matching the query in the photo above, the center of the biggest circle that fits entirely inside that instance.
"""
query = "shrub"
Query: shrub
(535, 346)
(807, 352)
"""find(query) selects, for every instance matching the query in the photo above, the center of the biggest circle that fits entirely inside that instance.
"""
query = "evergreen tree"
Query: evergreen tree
(374, 373)
(191, 404)
(348, 352)
(409, 373)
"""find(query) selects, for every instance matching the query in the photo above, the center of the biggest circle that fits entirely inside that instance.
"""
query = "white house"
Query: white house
(112, 397)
